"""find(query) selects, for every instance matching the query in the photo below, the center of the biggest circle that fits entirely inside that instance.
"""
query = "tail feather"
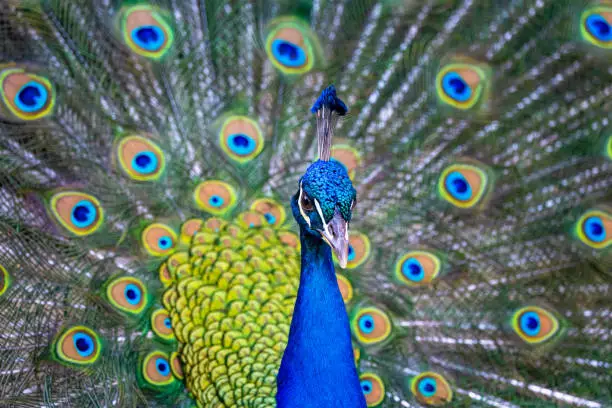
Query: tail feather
(478, 140)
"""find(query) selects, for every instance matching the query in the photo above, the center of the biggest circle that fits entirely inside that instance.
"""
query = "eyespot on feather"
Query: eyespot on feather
(140, 159)
(250, 219)
(190, 228)
(348, 156)
(161, 324)
(289, 238)
(156, 369)
(534, 324)
(215, 224)
(164, 275)
(463, 185)
(176, 366)
(79, 213)
(273, 212)
(346, 288)
(596, 26)
(78, 345)
(430, 388)
(241, 138)
(358, 251)
(5, 280)
(146, 32)
(215, 197)
(25, 96)
(371, 325)
(127, 294)
(417, 268)
(373, 389)
(159, 239)
(594, 228)
(461, 85)
(291, 46)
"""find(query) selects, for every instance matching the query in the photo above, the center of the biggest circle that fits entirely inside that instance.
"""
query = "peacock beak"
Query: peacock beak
(335, 233)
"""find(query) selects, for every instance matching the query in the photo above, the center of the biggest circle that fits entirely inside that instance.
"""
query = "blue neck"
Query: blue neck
(318, 367)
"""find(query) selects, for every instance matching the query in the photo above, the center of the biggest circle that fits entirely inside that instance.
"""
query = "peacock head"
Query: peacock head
(326, 197)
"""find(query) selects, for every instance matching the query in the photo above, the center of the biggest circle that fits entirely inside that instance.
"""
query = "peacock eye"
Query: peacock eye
(307, 204)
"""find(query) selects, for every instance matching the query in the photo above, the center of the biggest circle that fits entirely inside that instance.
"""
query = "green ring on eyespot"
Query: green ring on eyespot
(241, 138)
(373, 389)
(534, 325)
(79, 213)
(430, 388)
(152, 39)
(34, 99)
(78, 345)
(5, 280)
(594, 228)
(156, 369)
(596, 26)
(290, 46)
(462, 85)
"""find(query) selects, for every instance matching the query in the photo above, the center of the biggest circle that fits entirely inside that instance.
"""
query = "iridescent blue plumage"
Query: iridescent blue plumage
(315, 371)
(329, 100)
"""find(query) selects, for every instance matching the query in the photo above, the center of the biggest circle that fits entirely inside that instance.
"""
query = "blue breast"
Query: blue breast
(318, 367)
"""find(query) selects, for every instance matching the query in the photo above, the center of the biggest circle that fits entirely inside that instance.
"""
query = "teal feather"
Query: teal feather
(511, 97)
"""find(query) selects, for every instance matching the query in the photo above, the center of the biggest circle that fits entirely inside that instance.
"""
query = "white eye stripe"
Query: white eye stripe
(320, 211)
(300, 207)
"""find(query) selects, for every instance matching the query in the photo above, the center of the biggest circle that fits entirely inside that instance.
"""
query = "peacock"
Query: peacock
(305, 203)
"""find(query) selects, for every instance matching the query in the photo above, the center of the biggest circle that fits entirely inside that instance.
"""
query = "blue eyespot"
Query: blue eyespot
(241, 144)
(83, 214)
(31, 97)
(83, 344)
(530, 323)
(216, 201)
(457, 186)
(366, 324)
(599, 27)
(351, 253)
(413, 270)
(366, 386)
(288, 54)
(594, 229)
(270, 218)
(133, 294)
(164, 242)
(456, 87)
(145, 162)
(150, 38)
(427, 387)
(168, 323)
(162, 366)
